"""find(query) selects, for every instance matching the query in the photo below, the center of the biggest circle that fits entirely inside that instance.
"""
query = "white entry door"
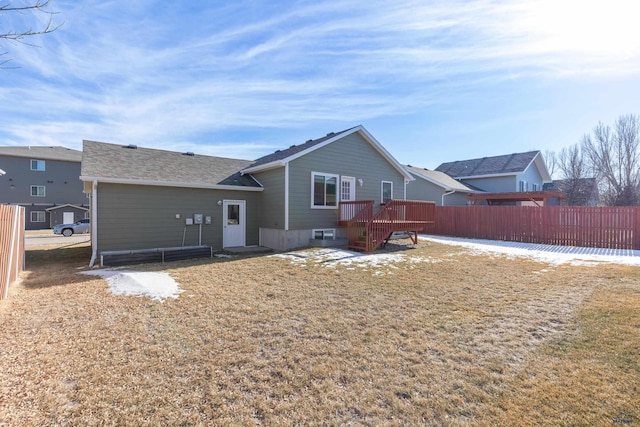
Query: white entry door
(67, 218)
(233, 222)
(347, 194)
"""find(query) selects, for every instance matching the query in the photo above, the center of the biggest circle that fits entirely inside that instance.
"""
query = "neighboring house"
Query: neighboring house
(45, 181)
(145, 198)
(501, 175)
(579, 191)
(438, 187)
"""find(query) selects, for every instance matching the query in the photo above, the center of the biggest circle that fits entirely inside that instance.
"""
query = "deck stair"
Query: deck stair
(366, 230)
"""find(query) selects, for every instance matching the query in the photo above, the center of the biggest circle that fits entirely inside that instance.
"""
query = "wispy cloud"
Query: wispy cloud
(171, 74)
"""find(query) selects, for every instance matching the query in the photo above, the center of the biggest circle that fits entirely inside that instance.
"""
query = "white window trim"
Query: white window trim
(44, 191)
(44, 165)
(382, 183)
(44, 216)
(332, 175)
(323, 230)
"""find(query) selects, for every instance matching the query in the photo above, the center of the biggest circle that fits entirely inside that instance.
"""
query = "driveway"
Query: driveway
(48, 238)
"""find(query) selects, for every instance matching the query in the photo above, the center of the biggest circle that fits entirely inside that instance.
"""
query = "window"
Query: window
(37, 190)
(523, 186)
(536, 187)
(347, 188)
(324, 190)
(386, 191)
(37, 216)
(325, 234)
(37, 165)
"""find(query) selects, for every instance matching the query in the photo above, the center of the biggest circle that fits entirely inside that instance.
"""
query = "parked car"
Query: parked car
(78, 227)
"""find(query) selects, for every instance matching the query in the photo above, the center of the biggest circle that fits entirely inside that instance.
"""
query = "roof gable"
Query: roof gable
(42, 153)
(113, 162)
(282, 157)
(509, 164)
(440, 179)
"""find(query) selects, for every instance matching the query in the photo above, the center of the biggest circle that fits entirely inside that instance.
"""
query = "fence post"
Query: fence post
(636, 228)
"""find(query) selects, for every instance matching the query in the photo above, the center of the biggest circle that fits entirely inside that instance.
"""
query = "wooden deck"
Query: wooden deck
(367, 230)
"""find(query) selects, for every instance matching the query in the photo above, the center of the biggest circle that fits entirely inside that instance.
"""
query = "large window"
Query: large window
(324, 190)
(37, 190)
(38, 216)
(37, 165)
(386, 191)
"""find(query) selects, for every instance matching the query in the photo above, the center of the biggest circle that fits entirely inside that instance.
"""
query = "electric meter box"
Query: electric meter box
(197, 218)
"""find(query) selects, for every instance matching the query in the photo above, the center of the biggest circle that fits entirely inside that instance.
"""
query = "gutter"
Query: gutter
(94, 223)
(446, 194)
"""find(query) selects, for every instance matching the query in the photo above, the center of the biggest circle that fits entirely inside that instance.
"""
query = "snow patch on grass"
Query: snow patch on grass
(157, 286)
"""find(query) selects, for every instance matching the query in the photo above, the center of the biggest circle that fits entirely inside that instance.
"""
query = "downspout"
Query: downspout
(446, 194)
(94, 222)
(286, 197)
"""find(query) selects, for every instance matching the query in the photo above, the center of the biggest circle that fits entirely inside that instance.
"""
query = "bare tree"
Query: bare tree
(20, 34)
(613, 156)
(574, 183)
(551, 161)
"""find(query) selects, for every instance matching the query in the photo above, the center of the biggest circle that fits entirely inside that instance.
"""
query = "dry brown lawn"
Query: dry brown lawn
(441, 336)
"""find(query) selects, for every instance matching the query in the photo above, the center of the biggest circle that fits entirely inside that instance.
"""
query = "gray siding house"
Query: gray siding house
(45, 181)
(147, 199)
(304, 185)
(511, 173)
(438, 187)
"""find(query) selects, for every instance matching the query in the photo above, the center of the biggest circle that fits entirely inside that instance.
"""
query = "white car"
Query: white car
(78, 227)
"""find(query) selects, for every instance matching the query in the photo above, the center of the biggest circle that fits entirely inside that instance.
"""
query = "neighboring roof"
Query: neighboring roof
(579, 191)
(440, 179)
(282, 157)
(67, 205)
(589, 184)
(131, 164)
(523, 196)
(43, 153)
(509, 164)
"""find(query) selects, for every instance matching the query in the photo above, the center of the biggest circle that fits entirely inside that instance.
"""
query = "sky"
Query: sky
(432, 81)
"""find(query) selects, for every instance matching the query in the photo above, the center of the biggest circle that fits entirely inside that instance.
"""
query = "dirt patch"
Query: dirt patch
(431, 335)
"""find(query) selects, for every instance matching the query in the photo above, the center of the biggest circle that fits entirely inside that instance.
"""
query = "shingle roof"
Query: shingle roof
(439, 178)
(103, 160)
(295, 149)
(42, 153)
(505, 164)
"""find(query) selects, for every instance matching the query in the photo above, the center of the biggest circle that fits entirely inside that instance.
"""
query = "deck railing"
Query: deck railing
(366, 230)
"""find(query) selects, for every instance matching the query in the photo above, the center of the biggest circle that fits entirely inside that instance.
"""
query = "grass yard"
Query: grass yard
(431, 335)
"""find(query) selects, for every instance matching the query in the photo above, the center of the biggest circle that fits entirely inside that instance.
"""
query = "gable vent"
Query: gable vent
(189, 153)
(131, 146)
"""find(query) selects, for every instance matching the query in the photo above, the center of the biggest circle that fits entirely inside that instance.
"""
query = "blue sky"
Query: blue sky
(433, 81)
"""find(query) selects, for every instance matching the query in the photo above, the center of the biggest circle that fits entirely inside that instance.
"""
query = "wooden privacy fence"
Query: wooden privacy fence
(11, 246)
(601, 227)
